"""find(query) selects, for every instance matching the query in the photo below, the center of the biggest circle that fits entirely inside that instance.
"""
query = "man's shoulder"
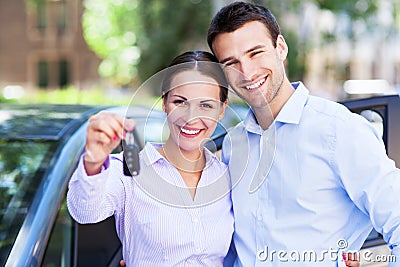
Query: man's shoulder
(326, 108)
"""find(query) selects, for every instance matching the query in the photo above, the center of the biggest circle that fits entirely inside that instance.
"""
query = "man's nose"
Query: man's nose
(248, 69)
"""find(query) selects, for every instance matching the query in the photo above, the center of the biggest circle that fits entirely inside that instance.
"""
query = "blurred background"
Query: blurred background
(101, 51)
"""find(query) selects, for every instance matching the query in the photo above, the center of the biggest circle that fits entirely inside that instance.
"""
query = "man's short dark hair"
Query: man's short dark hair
(235, 15)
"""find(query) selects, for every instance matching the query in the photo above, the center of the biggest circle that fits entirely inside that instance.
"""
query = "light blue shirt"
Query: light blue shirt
(157, 221)
(319, 184)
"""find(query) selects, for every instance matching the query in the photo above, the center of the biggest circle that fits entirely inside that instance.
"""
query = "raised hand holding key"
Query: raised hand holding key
(104, 133)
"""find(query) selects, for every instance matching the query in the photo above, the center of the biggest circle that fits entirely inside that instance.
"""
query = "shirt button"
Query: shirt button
(259, 218)
(196, 220)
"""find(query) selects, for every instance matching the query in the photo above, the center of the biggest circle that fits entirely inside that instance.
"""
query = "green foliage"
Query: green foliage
(115, 29)
(4, 100)
(93, 96)
(32, 4)
(168, 29)
(396, 14)
(110, 29)
(296, 66)
(356, 9)
(299, 46)
(138, 38)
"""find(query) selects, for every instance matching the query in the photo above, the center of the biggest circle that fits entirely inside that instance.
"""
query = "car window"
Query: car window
(375, 119)
(22, 166)
(59, 248)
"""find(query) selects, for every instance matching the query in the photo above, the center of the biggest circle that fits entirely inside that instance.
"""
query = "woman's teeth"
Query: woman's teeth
(186, 131)
(255, 85)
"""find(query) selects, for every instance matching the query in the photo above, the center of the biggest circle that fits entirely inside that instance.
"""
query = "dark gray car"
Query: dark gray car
(40, 146)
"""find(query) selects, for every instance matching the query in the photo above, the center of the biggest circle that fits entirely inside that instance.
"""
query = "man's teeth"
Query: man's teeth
(186, 131)
(255, 85)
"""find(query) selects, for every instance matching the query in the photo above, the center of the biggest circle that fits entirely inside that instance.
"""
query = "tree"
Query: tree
(136, 38)
(111, 28)
(169, 28)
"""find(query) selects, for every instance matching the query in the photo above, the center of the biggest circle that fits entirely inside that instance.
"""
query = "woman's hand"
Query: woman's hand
(104, 133)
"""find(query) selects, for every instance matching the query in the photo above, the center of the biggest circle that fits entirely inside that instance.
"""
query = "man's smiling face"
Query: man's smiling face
(254, 67)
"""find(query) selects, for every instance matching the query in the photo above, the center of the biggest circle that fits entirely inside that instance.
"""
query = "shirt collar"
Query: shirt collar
(250, 123)
(150, 153)
(290, 112)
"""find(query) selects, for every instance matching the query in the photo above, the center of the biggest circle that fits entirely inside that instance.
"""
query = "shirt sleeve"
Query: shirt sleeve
(91, 199)
(369, 177)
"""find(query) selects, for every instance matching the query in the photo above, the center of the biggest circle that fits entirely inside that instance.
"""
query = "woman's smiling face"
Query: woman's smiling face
(193, 108)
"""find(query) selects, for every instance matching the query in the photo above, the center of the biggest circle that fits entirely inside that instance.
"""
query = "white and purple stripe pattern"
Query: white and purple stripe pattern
(157, 221)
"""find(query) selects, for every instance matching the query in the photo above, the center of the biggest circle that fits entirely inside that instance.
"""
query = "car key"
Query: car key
(131, 155)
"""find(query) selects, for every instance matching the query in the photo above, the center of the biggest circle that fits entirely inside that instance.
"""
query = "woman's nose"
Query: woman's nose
(192, 113)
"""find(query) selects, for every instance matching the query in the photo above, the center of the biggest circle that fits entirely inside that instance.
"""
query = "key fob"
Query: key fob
(131, 155)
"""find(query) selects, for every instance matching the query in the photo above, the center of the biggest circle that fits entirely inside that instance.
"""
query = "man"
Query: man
(310, 178)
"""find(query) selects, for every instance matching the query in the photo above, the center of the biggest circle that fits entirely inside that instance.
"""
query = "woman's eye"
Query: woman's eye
(207, 106)
(179, 102)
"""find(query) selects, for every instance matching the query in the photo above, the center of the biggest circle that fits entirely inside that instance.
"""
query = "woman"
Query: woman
(177, 211)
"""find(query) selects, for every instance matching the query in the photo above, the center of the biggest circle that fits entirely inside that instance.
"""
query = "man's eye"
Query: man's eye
(230, 63)
(255, 53)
